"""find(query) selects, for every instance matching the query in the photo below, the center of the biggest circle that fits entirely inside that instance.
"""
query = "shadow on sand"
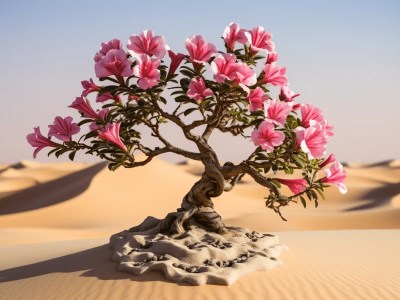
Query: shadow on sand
(378, 197)
(62, 189)
(96, 262)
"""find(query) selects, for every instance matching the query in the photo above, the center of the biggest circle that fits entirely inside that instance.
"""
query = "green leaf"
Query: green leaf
(276, 183)
(91, 134)
(163, 74)
(72, 155)
(299, 161)
(52, 151)
(321, 193)
(163, 100)
(115, 165)
(289, 171)
(85, 121)
(111, 166)
(189, 111)
(182, 99)
(60, 152)
(188, 69)
(259, 113)
(177, 93)
(303, 201)
(108, 89)
(316, 203)
(108, 78)
(187, 73)
(261, 156)
(314, 194)
(185, 83)
(207, 104)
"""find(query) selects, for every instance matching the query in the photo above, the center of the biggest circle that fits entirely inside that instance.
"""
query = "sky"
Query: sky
(341, 56)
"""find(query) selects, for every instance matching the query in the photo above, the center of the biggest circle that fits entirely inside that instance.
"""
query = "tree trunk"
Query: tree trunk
(197, 207)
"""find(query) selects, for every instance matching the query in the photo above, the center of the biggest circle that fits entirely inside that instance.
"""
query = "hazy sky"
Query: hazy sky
(342, 56)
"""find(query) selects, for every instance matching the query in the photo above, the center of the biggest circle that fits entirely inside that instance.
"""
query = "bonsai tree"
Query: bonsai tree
(200, 92)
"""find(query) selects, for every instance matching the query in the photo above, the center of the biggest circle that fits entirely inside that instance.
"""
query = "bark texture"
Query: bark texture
(197, 206)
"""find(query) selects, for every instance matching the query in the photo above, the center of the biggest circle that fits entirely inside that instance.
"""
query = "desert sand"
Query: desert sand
(56, 220)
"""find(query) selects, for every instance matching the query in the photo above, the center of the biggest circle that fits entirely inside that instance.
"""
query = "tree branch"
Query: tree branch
(230, 172)
(155, 128)
(260, 179)
(214, 123)
(149, 158)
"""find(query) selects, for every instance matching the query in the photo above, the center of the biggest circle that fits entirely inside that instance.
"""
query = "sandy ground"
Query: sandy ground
(55, 221)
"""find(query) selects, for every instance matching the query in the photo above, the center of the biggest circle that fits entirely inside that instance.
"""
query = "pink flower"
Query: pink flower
(331, 158)
(276, 111)
(199, 50)
(244, 75)
(256, 99)
(105, 47)
(274, 75)
(102, 115)
(336, 175)
(224, 67)
(197, 89)
(328, 128)
(267, 137)
(272, 57)
(39, 141)
(259, 39)
(233, 34)
(115, 62)
(295, 106)
(312, 140)
(308, 113)
(176, 60)
(111, 134)
(295, 185)
(89, 87)
(63, 129)
(147, 43)
(146, 70)
(286, 94)
(108, 96)
(83, 106)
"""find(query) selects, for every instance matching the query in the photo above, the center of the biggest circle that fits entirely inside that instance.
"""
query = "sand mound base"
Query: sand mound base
(196, 257)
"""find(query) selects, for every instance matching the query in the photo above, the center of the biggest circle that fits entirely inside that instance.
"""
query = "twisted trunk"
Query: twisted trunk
(196, 208)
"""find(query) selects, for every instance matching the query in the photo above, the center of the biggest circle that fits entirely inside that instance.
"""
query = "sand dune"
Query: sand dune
(55, 220)
(49, 193)
(26, 174)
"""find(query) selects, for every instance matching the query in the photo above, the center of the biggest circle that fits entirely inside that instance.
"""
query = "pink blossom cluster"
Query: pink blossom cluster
(225, 67)
(335, 175)
(258, 38)
(314, 133)
(148, 49)
(142, 61)
(311, 137)
(275, 111)
(62, 129)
